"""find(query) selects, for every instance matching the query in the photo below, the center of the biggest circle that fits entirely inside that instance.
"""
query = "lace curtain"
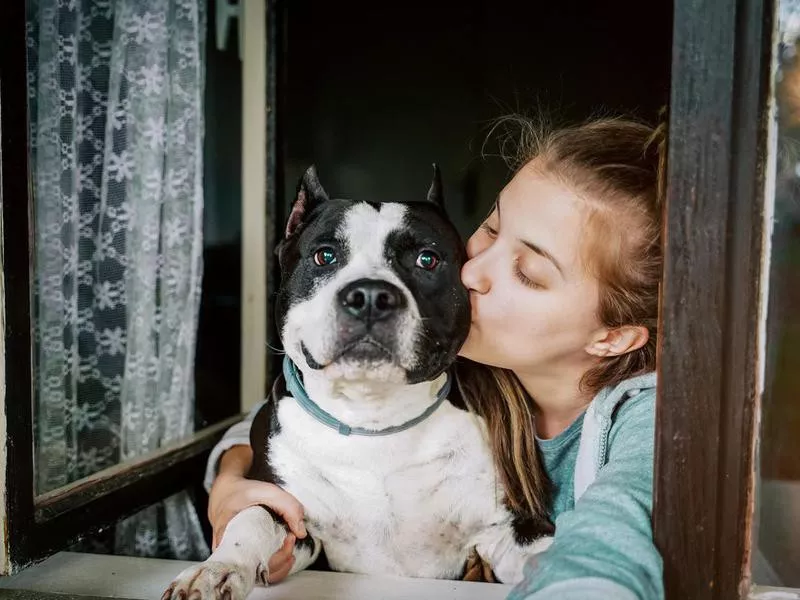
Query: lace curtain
(115, 96)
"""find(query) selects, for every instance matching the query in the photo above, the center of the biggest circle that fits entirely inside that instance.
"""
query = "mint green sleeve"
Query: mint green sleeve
(603, 549)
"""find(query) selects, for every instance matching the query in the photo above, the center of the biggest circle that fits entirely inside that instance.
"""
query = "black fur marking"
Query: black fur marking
(528, 528)
(265, 425)
(435, 193)
(442, 300)
(375, 205)
(455, 397)
(310, 194)
(312, 364)
(276, 517)
(307, 543)
(300, 276)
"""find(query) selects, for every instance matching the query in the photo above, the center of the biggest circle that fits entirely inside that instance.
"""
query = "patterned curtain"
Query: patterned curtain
(116, 114)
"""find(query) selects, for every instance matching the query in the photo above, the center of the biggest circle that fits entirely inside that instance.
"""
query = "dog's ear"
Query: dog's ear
(310, 194)
(435, 194)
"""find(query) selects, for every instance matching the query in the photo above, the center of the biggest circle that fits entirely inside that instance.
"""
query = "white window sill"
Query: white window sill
(146, 579)
(773, 593)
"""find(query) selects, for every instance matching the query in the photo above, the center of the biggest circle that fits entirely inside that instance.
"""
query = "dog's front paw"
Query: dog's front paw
(213, 581)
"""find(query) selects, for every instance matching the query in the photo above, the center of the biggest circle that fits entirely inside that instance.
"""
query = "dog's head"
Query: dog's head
(371, 291)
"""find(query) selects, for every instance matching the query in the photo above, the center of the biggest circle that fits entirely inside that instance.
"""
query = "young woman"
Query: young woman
(563, 279)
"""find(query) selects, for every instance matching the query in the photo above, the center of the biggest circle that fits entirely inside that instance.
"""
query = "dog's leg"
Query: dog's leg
(239, 562)
(499, 548)
(306, 550)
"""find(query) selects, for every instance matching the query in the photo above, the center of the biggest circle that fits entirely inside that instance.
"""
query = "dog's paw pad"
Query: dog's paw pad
(210, 581)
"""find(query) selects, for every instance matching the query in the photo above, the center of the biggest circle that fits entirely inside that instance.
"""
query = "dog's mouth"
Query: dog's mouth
(365, 349)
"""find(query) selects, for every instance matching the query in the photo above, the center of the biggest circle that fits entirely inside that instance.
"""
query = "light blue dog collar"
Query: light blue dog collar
(298, 391)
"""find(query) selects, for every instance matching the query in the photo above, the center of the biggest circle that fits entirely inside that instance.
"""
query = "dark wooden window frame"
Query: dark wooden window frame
(708, 368)
(709, 318)
(38, 526)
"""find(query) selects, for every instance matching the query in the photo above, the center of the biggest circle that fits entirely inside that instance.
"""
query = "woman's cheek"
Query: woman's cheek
(497, 315)
(508, 302)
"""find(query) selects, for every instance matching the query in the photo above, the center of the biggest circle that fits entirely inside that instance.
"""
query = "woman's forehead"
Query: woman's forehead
(539, 209)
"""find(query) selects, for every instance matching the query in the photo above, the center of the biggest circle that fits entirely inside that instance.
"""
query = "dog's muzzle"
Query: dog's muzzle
(369, 320)
(370, 301)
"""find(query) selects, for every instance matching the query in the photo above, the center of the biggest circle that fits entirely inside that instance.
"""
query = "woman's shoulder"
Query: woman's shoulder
(633, 421)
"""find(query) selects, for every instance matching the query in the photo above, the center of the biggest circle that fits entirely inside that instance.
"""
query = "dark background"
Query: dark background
(373, 93)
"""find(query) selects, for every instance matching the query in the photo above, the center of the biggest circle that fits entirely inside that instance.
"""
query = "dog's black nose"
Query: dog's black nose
(371, 300)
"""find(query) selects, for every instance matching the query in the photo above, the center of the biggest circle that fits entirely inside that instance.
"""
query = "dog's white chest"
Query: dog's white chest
(409, 503)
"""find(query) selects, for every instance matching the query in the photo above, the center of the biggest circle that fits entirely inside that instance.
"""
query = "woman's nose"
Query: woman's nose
(474, 274)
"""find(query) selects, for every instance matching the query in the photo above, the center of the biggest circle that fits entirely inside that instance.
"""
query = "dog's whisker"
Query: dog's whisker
(275, 350)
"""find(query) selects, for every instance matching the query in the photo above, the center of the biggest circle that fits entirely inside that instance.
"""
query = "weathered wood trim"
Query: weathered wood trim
(115, 480)
(16, 244)
(710, 298)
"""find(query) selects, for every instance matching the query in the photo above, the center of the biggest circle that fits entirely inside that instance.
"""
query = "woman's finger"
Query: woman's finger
(283, 503)
(281, 562)
(259, 493)
(276, 565)
(282, 572)
(218, 530)
(287, 548)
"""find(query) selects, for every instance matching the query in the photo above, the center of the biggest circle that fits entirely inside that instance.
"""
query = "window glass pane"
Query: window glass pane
(136, 242)
(163, 530)
(777, 556)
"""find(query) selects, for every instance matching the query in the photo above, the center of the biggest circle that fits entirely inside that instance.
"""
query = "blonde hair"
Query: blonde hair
(617, 165)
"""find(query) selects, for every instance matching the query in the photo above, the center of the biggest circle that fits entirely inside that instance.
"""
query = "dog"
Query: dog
(366, 428)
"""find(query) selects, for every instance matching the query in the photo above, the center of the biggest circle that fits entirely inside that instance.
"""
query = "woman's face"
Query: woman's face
(534, 306)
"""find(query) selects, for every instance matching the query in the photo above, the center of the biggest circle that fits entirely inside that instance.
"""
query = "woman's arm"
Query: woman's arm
(230, 492)
(237, 435)
(603, 549)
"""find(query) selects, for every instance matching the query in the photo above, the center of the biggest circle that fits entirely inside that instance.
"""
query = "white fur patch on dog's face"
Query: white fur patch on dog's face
(316, 323)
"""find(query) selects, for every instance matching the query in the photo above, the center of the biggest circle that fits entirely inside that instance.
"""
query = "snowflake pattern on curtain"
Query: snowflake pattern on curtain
(115, 96)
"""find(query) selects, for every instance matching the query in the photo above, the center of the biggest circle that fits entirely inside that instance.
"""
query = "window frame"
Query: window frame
(38, 526)
(711, 306)
(711, 301)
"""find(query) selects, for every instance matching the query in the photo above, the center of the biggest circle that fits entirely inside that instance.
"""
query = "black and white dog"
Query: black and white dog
(396, 477)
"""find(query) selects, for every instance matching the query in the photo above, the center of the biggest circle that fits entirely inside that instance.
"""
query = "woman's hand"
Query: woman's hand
(231, 493)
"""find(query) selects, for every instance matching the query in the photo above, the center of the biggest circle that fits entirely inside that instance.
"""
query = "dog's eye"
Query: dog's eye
(324, 257)
(427, 260)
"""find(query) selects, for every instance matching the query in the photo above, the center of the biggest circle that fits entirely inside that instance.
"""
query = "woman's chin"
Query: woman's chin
(480, 354)
(470, 349)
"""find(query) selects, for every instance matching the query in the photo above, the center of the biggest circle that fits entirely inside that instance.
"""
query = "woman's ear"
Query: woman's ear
(618, 341)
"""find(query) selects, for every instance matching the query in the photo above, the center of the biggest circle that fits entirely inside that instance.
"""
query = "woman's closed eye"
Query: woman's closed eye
(525, 280)
(488, 230)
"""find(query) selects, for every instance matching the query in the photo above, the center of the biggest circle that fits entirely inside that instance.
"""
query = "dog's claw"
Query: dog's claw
(167, 595)
(210, 581)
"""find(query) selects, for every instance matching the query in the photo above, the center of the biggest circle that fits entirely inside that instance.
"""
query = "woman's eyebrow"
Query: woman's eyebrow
(536, 248)
(544, 254)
